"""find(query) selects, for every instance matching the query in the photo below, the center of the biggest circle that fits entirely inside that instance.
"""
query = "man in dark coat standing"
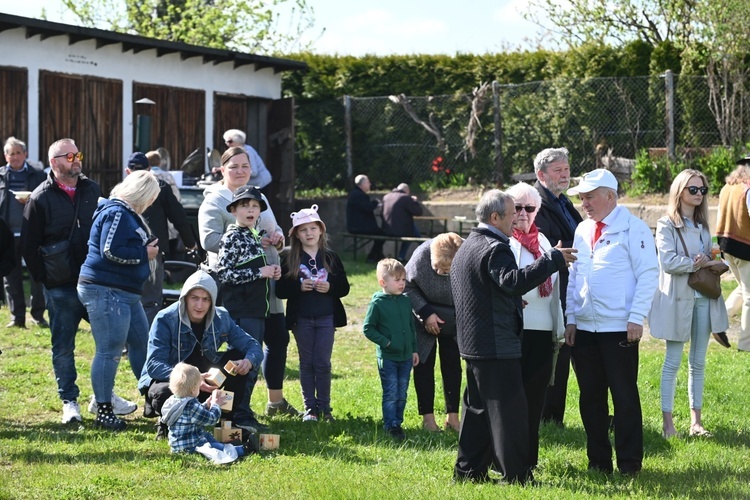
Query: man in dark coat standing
(487, 289)
(557, 220)
(399, 209)
(360, 216)
(15, 177)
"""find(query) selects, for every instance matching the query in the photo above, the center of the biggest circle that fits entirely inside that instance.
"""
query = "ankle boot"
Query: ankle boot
(106, 419)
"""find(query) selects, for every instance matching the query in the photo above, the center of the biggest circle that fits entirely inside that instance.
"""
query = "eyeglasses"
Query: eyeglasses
(71, 156)
(529, 208)
(695, 189)
(625, 343)
(229, 141)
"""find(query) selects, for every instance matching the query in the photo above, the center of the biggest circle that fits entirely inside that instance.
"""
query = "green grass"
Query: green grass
(349, 458)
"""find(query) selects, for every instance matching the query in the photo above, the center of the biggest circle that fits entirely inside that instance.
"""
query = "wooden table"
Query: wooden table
(440, 222)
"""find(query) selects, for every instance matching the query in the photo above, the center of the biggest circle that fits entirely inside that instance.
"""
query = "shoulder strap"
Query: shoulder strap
(684, 246)
(75, 221)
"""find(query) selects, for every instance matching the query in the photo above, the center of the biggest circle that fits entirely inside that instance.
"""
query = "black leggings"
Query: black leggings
(450, 369)
(276, 340)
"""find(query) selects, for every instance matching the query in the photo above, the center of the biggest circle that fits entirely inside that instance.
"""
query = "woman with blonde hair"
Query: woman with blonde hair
(120, 260)
(680, 314)
(543, 320)
(428, 285)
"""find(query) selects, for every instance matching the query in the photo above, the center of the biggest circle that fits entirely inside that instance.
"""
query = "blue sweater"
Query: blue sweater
(117, 255)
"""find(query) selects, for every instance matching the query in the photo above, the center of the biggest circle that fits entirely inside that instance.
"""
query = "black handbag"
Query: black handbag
(58, 266)
(705, 280)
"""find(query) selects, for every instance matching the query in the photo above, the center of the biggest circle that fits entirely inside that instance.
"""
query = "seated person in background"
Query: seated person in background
(187, 418)
(360, 215)
(399, 209)
(192, 330)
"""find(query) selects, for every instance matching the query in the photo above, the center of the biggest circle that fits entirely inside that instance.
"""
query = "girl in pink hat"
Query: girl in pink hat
(313, 281)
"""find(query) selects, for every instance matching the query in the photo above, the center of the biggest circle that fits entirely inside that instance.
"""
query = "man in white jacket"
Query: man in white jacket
(609, 294)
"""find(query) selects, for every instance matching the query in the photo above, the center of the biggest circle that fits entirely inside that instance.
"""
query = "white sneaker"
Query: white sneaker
(71, 411)
(120, 406)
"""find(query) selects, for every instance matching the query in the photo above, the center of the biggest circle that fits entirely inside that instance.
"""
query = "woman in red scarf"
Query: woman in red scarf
(542, 315)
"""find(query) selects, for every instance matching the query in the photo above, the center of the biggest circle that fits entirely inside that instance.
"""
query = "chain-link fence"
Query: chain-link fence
(429, 141)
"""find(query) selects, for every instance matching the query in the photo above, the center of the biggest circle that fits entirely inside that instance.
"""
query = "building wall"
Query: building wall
(56, 54)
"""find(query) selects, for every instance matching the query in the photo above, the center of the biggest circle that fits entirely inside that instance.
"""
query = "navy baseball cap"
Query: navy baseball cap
(138, 161)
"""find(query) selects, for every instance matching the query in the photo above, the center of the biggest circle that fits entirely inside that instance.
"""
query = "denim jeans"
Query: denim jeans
(116, 318)
(314, 338)
(394, 377)
(65, 314)
(255, 327)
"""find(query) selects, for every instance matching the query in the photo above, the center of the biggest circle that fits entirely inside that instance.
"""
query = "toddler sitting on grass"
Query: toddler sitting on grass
(187, 418)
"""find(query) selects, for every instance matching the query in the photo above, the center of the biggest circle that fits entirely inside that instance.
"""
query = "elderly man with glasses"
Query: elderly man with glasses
(61, 210)
(610, 290)
(17, 180)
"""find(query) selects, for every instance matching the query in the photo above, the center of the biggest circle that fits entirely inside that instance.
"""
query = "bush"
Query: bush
(717, 165)
(653, 175)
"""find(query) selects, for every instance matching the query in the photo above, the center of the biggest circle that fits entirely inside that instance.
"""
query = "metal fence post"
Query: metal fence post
(348, 130)
(669, 96)
(498, 142)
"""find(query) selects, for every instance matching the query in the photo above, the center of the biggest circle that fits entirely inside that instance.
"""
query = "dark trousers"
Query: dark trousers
(537, 350)
(276, 341)
(15, 295)
(450, 370)
(603, 365)
(256, 328)
(554, 402)
(158, 391)
(494, 424)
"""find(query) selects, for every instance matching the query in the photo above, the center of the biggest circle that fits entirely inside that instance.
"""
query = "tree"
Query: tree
(240, 25)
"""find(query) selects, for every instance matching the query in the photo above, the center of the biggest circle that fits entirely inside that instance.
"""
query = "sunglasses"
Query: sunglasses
(529, 208)
(312, 265)
(625, 343)
(695, 190)
(71, 156)
(229, 141)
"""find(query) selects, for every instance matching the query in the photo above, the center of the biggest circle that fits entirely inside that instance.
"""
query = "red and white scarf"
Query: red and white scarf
(530, 241)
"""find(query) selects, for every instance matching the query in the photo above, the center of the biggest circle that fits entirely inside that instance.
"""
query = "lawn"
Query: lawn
(352, 457)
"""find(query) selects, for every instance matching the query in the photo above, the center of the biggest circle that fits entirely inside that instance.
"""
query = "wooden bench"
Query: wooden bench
(357, 242)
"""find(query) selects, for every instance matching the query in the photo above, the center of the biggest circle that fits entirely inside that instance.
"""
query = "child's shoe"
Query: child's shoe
(311, 415)
(327, 416)
(106, 419)
(397, 433)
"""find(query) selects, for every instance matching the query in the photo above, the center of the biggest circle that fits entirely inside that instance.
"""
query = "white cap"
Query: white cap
(593, 180)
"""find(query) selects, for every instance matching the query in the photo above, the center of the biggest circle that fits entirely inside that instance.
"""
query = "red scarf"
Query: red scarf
(530, 241)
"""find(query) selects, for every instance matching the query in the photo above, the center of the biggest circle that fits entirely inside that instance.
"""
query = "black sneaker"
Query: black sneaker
(397, 433)
(162, 431)
(252, 425)
(108, 421)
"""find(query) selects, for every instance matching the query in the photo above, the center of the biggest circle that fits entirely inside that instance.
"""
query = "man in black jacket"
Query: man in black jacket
(360, 216)
(494, 424)
(15, 177)
(60, 209)
(165, 208)
(557, 220)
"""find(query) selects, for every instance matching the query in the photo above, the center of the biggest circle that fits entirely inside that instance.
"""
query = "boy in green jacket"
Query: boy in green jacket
(390, 324)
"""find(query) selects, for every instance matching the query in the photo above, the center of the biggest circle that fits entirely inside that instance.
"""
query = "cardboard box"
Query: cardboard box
(227, 406)
(269, 441)
(215, 377)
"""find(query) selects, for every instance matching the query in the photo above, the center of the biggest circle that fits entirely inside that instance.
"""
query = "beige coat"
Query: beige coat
(671, 312)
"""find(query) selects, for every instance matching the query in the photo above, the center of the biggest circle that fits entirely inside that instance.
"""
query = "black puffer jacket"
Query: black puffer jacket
(487, 288)
(48, 218)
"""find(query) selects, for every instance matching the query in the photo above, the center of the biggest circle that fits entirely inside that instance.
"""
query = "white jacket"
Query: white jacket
(612, 284)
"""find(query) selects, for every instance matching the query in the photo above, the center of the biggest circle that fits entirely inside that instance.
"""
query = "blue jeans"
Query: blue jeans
(314, 338)
(116, 318)
(255, 327)
(65, 314)
(394, 377)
